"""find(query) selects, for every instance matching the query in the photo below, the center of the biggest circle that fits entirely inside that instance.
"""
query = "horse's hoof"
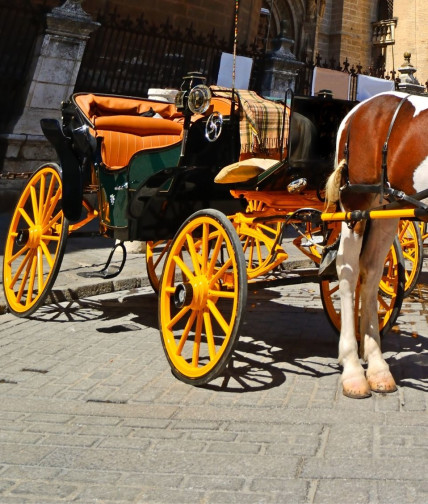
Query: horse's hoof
(382, 382)
(356, 388)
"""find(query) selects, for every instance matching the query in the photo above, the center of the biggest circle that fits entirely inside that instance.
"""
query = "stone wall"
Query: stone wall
(345, 31)
(411, 35)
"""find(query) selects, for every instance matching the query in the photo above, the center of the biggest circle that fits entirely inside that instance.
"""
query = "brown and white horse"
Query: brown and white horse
(388, 130)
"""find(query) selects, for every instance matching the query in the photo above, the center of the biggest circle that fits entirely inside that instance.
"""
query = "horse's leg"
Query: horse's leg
(347, 263)
(372, 259)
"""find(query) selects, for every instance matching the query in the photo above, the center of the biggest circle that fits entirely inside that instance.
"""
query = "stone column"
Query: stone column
(281, 67)
(53, 75)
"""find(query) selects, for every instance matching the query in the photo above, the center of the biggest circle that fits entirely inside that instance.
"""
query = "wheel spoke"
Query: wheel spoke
(161, 255)
(40, 269)
(26, 217)
(18, 254)
(197, 342)
(42, 190)
(218, 316)
(36, 213)
(53, 221)
(220, 272)
(194, 255)
(214, 256)
(184, 269)
(21, 267)
(31, 281)
(209, 335)
(185, 334)
(178, 317)
(47, 253)
(47, 208)
(205, 246)
(52, 204)
(224, 294)
(384, 303)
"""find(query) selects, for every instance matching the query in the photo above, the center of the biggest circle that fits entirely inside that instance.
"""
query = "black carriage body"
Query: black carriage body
(150, 197)
(159, 188)
(160, 204)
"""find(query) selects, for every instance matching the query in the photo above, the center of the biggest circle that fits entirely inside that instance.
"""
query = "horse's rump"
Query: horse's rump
(365, 130)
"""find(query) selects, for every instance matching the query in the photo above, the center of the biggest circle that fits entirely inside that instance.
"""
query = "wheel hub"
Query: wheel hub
(182, 295)
(200, 292)
(34, 236)
(192, 294)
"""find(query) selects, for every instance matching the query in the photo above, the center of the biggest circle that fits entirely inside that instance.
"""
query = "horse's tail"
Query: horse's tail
(333, 184)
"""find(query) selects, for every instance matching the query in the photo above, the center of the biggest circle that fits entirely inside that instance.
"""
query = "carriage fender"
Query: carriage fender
(72, 176)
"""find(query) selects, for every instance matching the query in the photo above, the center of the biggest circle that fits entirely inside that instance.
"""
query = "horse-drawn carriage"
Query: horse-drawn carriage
(212, 183)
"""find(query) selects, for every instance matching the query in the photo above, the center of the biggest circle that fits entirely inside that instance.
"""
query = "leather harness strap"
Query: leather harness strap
(384, 174)
(394, 196)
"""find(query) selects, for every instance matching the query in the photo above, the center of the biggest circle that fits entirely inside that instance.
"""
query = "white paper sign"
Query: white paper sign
(242, 73)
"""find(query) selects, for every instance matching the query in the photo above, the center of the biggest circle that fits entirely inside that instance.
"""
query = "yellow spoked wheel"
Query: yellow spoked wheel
(388, 305)
(261, 243)
(155, 256)
(202, 297)
(409, 234)
(35, 242)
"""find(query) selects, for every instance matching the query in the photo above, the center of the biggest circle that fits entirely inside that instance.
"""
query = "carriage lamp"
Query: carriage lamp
(193, 80)
(199, 99)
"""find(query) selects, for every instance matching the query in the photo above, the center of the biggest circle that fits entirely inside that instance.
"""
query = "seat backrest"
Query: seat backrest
(93, 105)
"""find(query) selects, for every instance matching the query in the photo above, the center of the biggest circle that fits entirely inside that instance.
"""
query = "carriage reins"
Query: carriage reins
(383, 188)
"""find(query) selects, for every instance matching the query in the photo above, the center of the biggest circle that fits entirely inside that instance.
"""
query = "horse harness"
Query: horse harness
(384, 188)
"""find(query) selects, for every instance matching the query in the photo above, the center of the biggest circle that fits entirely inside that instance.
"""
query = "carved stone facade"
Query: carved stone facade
(336, 29)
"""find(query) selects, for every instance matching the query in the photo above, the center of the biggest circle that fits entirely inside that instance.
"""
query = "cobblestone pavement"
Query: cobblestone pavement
(91, 412)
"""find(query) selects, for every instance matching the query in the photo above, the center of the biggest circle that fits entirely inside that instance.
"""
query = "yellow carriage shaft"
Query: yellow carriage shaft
(358, 215)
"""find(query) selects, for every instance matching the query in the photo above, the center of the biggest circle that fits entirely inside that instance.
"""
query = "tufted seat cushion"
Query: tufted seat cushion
(137, 125)
(118, 148)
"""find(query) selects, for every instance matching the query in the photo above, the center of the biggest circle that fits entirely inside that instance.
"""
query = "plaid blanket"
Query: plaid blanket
(260, 123)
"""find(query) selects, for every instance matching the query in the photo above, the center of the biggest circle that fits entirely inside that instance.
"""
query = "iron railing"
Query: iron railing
(305, 75)
(129, 56)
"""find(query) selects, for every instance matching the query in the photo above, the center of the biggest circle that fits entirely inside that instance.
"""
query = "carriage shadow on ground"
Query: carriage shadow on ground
(278, 339)
(267, 350)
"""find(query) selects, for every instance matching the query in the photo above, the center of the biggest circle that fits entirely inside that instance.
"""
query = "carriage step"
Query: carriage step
(107, 273)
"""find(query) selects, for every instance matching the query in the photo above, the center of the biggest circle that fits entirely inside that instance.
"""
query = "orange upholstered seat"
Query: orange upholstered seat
(119, 121)
(94, 106)
(137, 125)
(118, 148)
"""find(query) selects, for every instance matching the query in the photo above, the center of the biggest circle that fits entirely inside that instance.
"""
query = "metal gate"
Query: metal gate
(129, 56)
